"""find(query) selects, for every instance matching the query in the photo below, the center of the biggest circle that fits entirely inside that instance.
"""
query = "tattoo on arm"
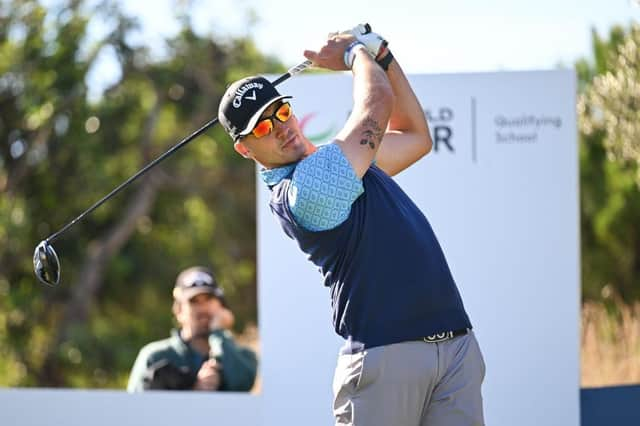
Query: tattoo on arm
(372, 134)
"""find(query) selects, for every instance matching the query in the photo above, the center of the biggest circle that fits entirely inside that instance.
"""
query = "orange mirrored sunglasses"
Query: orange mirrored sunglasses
(265, 126)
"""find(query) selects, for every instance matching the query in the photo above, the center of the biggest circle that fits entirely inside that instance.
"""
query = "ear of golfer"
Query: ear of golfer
(387, 122)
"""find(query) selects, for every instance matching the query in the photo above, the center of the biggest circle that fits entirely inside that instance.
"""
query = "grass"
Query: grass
(610, 347)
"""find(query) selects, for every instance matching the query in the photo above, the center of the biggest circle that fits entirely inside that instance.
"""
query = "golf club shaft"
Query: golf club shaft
(292, 71)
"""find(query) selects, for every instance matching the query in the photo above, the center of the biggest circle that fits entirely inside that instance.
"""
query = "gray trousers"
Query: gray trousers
(411, 384)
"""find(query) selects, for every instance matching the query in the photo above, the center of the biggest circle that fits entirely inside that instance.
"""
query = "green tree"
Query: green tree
(608, 114)
(62, 151)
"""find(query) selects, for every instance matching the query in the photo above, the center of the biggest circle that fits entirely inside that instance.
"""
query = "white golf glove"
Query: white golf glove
(374, 43)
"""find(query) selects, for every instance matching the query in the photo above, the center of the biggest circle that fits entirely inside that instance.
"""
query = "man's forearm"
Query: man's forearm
(407, 138)
(407, 114)
(369, 81)
(239, 364)
(362, 135)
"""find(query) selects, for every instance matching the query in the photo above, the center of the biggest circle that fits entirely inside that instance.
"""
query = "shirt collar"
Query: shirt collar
(273, 176)
(178, 342)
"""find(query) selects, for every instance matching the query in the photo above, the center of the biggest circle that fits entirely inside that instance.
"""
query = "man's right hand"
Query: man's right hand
(208, 376)
(223, 319)
(331, 55)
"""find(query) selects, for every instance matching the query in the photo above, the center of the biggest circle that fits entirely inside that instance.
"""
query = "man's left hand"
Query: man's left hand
(374, 42)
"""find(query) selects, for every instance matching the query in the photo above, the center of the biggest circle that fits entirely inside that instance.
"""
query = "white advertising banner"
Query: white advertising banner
(500, 189)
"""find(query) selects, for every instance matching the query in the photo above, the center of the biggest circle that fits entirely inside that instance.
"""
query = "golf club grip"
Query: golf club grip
(291, 72)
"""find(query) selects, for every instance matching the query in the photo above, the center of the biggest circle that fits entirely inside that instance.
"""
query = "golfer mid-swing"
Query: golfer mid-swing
(410, 357)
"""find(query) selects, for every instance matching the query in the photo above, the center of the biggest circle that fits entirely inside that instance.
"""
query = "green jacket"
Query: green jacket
(173, 364)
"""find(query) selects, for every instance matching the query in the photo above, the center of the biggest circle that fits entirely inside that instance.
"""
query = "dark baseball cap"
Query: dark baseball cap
(196, 280)
(244, 102)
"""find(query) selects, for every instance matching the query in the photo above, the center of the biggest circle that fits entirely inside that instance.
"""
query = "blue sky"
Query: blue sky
(426, 36)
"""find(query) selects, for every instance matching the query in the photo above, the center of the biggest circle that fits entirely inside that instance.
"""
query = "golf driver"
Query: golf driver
(46, 264)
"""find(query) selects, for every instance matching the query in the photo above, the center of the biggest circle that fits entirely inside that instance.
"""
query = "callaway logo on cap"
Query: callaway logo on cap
(243, 92)
(244, 102)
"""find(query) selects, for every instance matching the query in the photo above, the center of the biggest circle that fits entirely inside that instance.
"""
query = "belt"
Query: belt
(447, 335)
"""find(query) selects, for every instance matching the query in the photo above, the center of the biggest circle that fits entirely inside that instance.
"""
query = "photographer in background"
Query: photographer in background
(201, 354)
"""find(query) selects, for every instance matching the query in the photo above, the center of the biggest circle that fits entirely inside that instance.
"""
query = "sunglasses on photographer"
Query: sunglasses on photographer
(199, 283)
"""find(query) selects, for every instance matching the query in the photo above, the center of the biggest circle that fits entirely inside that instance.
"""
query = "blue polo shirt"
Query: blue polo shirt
(388, 277)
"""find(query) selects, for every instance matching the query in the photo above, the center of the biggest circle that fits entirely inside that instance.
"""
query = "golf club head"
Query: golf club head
(46, 264)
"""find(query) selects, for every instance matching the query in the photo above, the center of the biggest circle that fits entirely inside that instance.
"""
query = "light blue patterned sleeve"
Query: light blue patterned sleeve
(322, 189)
